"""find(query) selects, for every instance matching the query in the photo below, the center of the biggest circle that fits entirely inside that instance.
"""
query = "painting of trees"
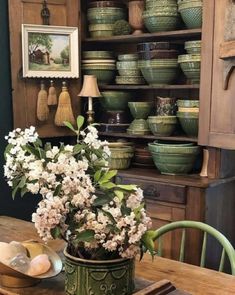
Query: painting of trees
(37, 40)
(65, 55)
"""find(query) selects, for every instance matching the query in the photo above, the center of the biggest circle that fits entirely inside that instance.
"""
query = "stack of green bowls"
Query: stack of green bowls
(191, 13)
(162, 125)
(127, 66)
(161, 15)
(102, 15)
(121, 157)
(188, 115)
(191, 63)
(174, 158)
(101, 64)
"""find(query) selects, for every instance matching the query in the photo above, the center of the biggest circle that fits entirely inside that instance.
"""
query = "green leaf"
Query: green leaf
(127, 187)
(80, 121)
(55, 232)
(102, 200)
(77, 149)
(69, 125)
(33, 151)
(47, 146)
(7, 149)
(148, 241)
(125, 210)
(57, 190)
(85, 236)
(15, 191)
(39, 142)
(107, 176)
(22, 182)
(137, 211)
(23, 191)
(108, 185)
(97, 175)
(119, 194)
(109, 215)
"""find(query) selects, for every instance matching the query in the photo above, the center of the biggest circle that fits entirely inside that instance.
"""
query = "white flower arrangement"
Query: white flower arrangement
(80, 204)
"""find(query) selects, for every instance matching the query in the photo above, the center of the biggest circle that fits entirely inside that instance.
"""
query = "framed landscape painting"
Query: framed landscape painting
(50, 51)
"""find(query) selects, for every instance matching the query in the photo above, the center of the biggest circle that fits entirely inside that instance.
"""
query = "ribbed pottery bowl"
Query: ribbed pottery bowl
(94, 4)
(191, 13)
(140, 109)
(128, 68)
(190, 65)
(149, 46)
(157, 21)
(115, 100)
(121, 157)
(162, 125)
(159, 72)
(193, 47)
(100, 30)
(189, 122)
(173, 148)
(128, 57)
(95, 54)
(105, 15)
(181, 103)
(104, 73)
(156, 5)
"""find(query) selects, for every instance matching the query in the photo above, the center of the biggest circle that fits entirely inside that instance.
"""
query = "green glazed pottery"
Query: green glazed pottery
(188, 103)
(140, 109)
(193, 47)
(191, 13)
(172, 143)
(128, 68)
(157, 21)
(138, 127)
(100, 30)
(105, 74)
(105, 15)
(166, 106)
(190, 65)
(95, 54)
(84, 277)
(189, 125)
(130, 80)
(115, 100)
(121, 157)
(128, 57)
(173, 148)
(162, 125)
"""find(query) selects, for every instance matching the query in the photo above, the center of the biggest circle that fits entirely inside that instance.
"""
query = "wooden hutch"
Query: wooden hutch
(168, 198)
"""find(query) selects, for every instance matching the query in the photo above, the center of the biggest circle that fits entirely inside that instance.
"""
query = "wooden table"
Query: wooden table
(193, 279)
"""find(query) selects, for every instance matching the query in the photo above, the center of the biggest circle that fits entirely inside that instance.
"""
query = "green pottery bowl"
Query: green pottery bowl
(101, 30)
(174, 164)
(104, 74)
(162, 125)
(140, 110)
(193, 47)
(130, 80)
(173, 148)
(138, 127)
(95, 54)
(115, 100)
(189, 125)
(160, 21)
(187, 103)
(106, 15)
(121, 157)
(191, 13)
(159, 76)
(172, 143)
(128, 57)
(190, 65)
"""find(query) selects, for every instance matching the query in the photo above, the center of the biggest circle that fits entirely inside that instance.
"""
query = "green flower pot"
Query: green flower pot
(83, 277)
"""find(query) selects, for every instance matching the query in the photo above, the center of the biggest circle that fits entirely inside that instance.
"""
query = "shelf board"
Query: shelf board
(149, 87)
(178, 34)
(149, 137)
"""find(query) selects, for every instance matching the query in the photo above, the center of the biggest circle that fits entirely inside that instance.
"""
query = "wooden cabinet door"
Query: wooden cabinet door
(24, 91)
(217, 113)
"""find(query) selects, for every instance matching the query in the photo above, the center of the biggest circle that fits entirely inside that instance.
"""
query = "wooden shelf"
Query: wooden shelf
(151, 137)
(149, 87)
(170, 35)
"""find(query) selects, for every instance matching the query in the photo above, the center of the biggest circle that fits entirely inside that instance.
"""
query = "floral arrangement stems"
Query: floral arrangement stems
(100, 220)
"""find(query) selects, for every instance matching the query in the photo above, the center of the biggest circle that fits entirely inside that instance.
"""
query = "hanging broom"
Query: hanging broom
(42, 107)
(52, 97)
(64, 110)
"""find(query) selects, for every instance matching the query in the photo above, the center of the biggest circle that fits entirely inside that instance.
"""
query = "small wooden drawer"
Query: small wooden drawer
(158, 190)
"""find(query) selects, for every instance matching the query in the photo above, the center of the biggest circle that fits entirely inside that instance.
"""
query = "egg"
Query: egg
(8, 251)
(39, 265)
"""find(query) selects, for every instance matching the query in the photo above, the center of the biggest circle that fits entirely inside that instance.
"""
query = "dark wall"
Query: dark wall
(21, 208)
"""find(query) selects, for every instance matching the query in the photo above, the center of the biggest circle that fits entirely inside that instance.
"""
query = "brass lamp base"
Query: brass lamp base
(90, 117)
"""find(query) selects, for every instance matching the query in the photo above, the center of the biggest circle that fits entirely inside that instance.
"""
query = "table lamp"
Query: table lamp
(90, 89)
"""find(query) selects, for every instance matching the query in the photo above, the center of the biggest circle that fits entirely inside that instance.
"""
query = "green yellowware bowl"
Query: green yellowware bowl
(140, 109)
(189, 124)
(104, 74)
(106, 15)
(115, 100)
(174, 164)
(128, 68)
(172, 143)
(138, 127)
(95, 54)
(191, 13)
(162, 125)
(190, 65)
(121, 157)
(181, 103)
(128, 57)
(173, 148)
(156, 22)
(193, 47)
(156, 6)
(159, 76)
(130, 80)
(100, 30)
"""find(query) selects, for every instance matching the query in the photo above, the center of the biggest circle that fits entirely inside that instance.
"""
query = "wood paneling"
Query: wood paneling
(63, 13)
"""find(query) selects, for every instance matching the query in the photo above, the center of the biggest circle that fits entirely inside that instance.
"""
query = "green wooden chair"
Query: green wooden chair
(207, 229)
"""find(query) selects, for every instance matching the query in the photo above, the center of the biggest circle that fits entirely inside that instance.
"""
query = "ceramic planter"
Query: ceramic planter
(83, 277)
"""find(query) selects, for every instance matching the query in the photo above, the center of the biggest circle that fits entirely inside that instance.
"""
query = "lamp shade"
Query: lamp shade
(90, 87)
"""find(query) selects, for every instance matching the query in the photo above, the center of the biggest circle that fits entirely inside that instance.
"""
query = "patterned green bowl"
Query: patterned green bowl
(101, 30)
(191, 13)
(104, 74)
(115, 100)
(106, 15)
(174, 148)
(187, 103)
(189, 124)
(121, 157)
(193, 47)
(174, 164)
(156, 76)
(153, 5)
(130, 80)
(128, 57)
(128, 68)
(160, 22)
(190, 65)
(162, 125)
(95, 54)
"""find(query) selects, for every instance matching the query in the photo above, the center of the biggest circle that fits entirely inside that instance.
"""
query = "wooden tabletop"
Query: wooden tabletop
(193, 279)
